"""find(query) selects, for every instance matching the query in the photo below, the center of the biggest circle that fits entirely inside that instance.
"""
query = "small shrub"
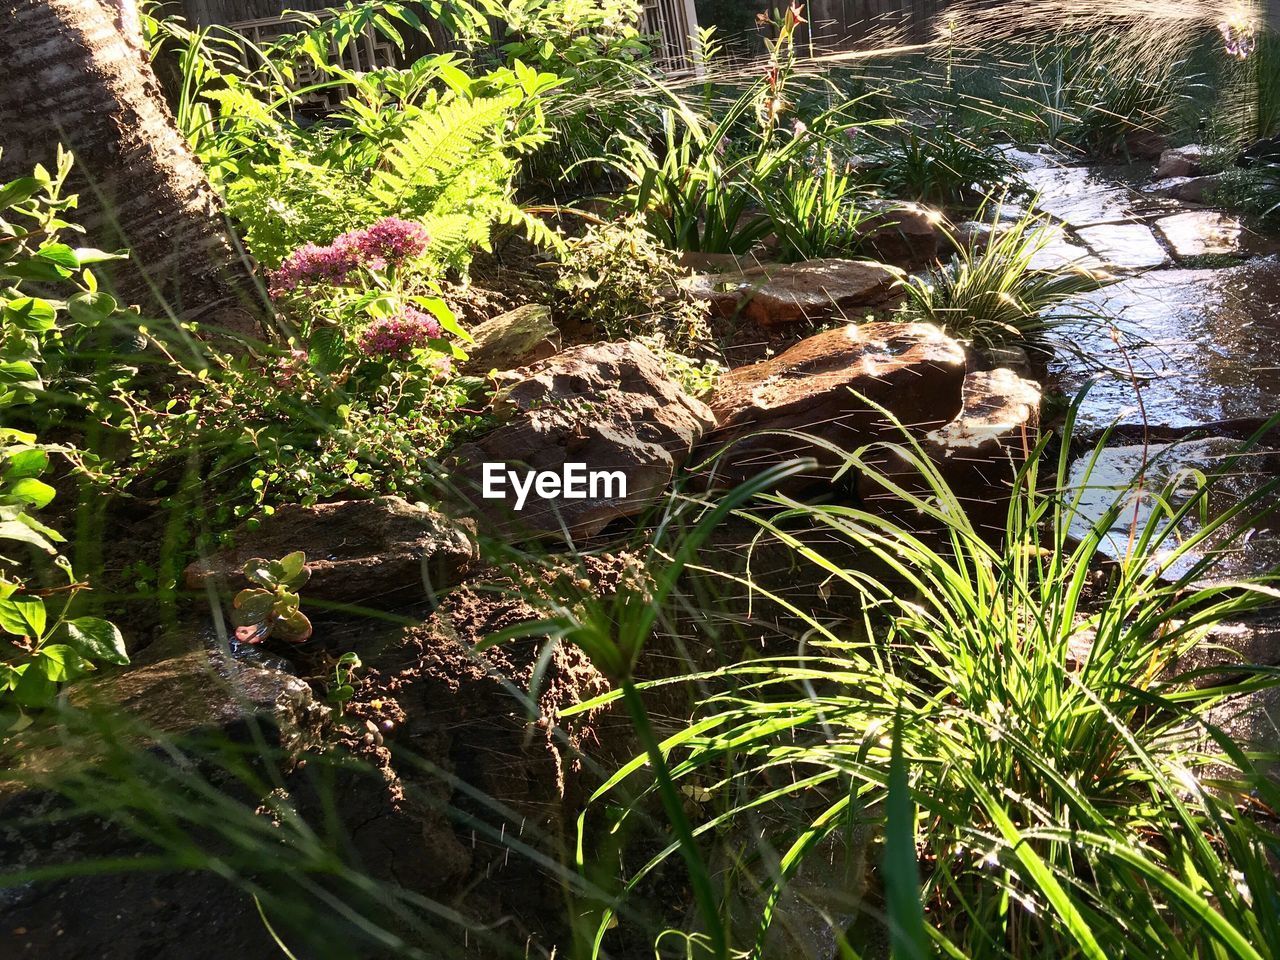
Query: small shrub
(45, 349)
(617, 277)
(940, 167)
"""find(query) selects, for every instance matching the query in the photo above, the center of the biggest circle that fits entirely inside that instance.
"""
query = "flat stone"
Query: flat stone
(817, 387)
(608, 407)
(203, 691)
(1061, 253)
(1127, 246)
(1181, 161)
(365, 552)
(1203, 233)
(1196, 339)
(1242, 548)
(1079, 196)
(513, 339)
(776, 295)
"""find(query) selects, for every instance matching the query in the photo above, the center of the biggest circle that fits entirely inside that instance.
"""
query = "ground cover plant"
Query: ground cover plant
(865, 635)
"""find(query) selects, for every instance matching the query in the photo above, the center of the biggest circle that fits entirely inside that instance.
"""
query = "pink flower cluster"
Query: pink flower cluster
(389, 242)
(396, 336)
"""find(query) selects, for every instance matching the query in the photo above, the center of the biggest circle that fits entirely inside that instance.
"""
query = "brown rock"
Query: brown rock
(1180, 162)
(979, 453)
(775, 295)
(818, 387)
(905, 234)
(1142, 144)
(204, 691)
(1186, 189)
(608, 407)
(366, 552)
(513, 339)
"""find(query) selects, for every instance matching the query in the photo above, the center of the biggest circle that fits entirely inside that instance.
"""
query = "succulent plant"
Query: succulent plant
(271, 609)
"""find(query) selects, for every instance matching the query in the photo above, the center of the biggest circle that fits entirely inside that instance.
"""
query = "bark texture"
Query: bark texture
(76, 73)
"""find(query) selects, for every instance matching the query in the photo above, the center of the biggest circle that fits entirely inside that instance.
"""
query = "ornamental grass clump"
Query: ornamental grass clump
(1067, 791)
(992, 289)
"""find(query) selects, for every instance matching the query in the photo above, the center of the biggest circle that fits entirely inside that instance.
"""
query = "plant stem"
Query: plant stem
(699, 878)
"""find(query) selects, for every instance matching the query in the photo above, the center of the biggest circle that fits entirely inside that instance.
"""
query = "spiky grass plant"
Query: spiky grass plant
(1072, 798)
(991, 290)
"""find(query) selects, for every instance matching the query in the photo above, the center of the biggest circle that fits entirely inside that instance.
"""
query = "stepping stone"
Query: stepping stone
(1240, 549)
(1204, 233)
(1060, 253)
(1079, 196)
(1128, 246)
(1200, 342)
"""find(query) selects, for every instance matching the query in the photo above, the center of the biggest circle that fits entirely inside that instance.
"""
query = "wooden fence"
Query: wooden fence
(672, 23)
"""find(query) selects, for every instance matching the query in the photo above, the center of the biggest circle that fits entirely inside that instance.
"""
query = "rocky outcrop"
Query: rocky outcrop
(777, 295)
(513, 339)
(605, 409)
(828, 387)
(363, 552)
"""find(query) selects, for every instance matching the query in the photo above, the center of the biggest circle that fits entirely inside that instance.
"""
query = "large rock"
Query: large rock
(826, 386)
(1185, 161)
(513, 339)
(904, 234)
(201, 690)
(607, 408)
(979, 453)
(365, 552)
(1186, 189)
(774, 295)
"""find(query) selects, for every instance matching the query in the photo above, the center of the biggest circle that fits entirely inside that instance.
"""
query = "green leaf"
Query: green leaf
(293, 629)
(294, 572)
(63, 662)
(251, 606)
(96, 639)
(88, 255)
(60, 254)
(17, 191)
(903, 906)
(262, 572)
(37, 493)
(28, 462)
(30, 314)
(34, 688)
(23, 616)
(90, 309)
(19, 373)
(20, 532)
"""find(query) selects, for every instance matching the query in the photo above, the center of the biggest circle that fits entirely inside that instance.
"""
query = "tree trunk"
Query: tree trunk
(75, 72)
